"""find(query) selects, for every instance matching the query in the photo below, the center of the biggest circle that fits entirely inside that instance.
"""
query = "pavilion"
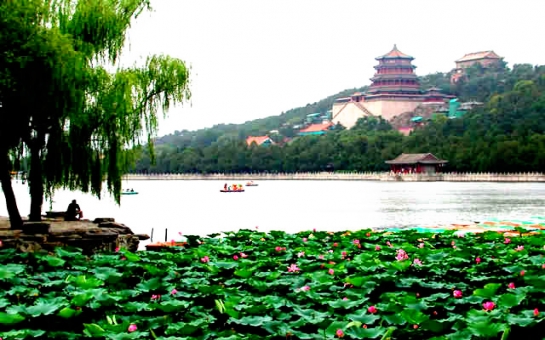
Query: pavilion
(416, 163)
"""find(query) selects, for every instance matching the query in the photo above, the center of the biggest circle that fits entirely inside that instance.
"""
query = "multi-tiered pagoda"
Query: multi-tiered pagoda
(395, 77)
(395, 90)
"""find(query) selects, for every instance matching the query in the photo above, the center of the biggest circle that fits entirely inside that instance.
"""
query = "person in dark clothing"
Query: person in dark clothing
(73, 213)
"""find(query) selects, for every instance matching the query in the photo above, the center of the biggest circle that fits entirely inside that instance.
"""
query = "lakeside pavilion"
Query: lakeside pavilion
(417, 163)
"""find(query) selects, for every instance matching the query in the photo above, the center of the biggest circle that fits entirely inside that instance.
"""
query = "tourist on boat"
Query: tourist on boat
(225, 186)
(235, 187)
(73, 212)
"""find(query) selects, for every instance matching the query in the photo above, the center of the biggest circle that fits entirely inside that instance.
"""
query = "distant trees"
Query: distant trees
(507, 134)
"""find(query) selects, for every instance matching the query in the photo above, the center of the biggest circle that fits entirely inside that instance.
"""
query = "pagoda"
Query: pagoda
(394, 90)
(395, 77)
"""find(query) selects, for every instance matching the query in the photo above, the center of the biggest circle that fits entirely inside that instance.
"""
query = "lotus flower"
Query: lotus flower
(305, 288)
(155, 297)
(489, 305)
(417, 262)
(511, 285)
(339, 333)
(377, 248)
(205, 259)
(235, 257)
(293, 268)
(301, 254)
(519, 248)
(335, 244)
(174, 291)
(478, 260)
(522, 272)
(401, 255)
(343, 253)
(305, 239)
(331, 271)
(536, 313)
(507, 241)
(132, 327)
(243, 255)
(457, 294)
(421, 245)
(356, 241)
(372, 309)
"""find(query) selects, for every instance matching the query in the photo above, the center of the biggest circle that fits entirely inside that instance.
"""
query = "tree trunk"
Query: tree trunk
(35, 181)
(11, 203)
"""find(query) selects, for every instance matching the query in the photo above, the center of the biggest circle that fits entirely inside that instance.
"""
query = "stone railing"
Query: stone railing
(350, 176)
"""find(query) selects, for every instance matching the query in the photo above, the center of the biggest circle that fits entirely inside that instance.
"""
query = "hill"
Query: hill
(506, 134)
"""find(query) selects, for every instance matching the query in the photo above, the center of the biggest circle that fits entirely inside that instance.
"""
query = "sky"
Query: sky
(251, 59)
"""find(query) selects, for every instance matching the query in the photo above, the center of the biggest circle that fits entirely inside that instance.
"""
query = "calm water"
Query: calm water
(197, 207)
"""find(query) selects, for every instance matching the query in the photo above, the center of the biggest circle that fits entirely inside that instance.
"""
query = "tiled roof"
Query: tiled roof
(257, 139)
(479, 55)
(395, 53)
(413, 158)
(317, 127)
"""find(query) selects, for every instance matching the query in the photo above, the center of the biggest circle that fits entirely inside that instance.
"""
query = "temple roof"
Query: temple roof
(317, 127)
(257, 139)
(478, 56)
(395, 54)
(413, 158)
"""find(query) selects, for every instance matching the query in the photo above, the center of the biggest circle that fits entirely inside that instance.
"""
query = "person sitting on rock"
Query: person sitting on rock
(73, 212)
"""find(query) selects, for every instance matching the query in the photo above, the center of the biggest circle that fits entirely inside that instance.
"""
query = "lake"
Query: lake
(197, 207)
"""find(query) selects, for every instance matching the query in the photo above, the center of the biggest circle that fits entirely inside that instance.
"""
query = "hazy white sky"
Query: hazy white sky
(256, 58)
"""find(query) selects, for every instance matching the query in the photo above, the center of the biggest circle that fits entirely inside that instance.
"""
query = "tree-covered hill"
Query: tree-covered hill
(506, 134)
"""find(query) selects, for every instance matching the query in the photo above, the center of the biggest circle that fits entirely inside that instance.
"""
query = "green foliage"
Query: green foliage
(506, 135)
(357, 282)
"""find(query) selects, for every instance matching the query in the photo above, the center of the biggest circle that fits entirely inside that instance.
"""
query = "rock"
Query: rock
(103, 219)
(106, 237)
(36, 227)
(55, 214)
(119, 226)
(142, 237)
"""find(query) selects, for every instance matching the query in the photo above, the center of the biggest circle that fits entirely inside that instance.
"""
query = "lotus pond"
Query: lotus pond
(310, 285)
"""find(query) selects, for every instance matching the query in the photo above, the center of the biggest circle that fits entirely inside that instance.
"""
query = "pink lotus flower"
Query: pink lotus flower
(368, 234)
(489, 305)
(536, 313)
(132, 327)
(155, 297)
(173, 291)
(372, 310)
(339, 333)
(335, 244)
(205, 259)
(388, 243)
(511, 285)
(235, 257)
(314, 230)
(343, 253)
(293, 268)
(401, 255)
(305, 239)
(331, 271)
(243, 255)
(478, 260)
(543, 266)
(519, 248)
(522, 272)
(421, 245)
(116, 249)
(345, 298)
(356, 241)
(301, 254)
(305, 288)
(507, 241)
(377, 248)
(452, 243)
(321, 257)
(457, 294)
(417, 262)
(180, 233)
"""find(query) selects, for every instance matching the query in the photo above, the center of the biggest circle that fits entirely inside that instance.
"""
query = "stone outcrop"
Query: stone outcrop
(102, 234)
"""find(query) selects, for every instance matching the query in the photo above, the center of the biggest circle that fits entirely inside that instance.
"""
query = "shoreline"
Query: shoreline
(356, 176)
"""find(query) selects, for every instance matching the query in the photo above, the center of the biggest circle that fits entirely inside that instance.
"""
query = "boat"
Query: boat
(129, 193)
(251, 184)
(222, 190)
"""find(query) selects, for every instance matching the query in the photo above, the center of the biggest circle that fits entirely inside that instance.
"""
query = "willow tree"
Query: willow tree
(80, 135)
